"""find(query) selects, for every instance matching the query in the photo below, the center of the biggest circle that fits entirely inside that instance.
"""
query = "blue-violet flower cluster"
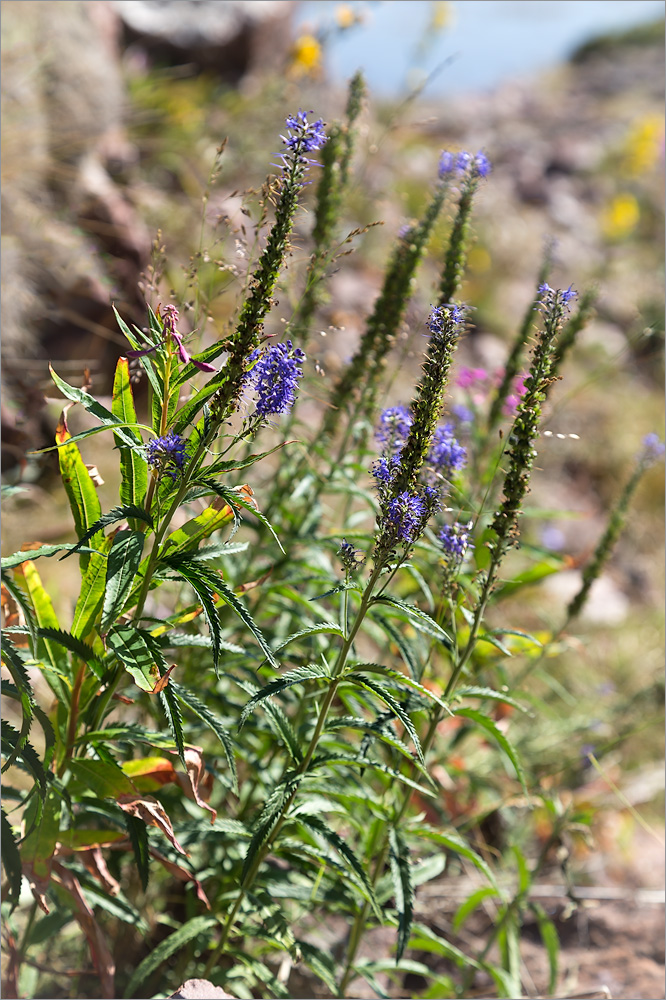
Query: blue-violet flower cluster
(303, 137)
(167, 454)
(456, 540)
(446, 454)
(552, 297)
(350, 557)
(408, 513)
(462, 162)
(275, 376)
(440, 314)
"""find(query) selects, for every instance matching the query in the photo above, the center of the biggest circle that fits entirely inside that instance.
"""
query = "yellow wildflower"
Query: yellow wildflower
(306, 57)
(620, 217)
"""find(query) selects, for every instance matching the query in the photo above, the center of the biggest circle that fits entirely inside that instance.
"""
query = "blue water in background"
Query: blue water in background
(485, 42)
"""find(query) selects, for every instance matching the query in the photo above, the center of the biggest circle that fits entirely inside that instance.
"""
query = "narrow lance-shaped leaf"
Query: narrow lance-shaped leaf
(345, 851)
(121, 569)
(394, 706)
(297, 676)
(204, 582)
(45, 616)
(9, 562)
(492, 729)
(134, 653)
(190, 534)
(126, 512)
(91, 596)
(133, 466)
(403, 887)
(197, 706)
(106, 417)
(145, 362)
(80, 490)
(11, 861)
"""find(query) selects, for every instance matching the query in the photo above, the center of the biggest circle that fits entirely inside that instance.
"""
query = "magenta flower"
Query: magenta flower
(170, 318)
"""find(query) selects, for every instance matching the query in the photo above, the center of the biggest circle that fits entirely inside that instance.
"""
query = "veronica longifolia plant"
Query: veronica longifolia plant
(302, 719)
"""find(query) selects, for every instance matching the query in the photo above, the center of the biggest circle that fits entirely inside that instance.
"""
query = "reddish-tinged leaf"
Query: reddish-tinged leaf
(12, 615)
(182, 874)
(96, 865)
(195, 773)
(150, 773)
(164, 680)
(99, 952)
(152, 813)
(244, 587)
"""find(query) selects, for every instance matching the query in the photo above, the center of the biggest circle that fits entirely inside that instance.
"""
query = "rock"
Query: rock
(228, 38)
(72, 240)
(200, 989)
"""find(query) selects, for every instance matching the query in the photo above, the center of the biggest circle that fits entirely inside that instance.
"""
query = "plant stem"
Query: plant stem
(337, 676)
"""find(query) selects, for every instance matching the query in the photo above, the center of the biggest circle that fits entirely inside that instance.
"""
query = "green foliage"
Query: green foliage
(240, 740)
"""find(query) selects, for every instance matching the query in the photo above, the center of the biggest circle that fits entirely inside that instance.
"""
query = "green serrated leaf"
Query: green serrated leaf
(421, 620)
(213, 723)
(313, 671)
(186, 539)
(263, 827)
(202, 925)
(322, 628)
(395, 707)
(125, 512)
(205, 582)
(9, 562)
(404, 646)
(11, 861)
(89, 603)
(347, 854)
(235, 499)
(134, 653)
(474, 691)
(74, 645)
(403, 887)
(121, 569)
(133, 465)
(493, 730)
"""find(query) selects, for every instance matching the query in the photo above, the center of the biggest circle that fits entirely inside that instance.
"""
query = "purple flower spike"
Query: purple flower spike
(463, 160)
(653, 448)
(304, 136)
(553, 298)
(446, 455)
(447, 163)
(393, 429)
(407, 513)
(440, 314)
(482, 165)
(455, 540)
(275, 378)
(167, 454)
